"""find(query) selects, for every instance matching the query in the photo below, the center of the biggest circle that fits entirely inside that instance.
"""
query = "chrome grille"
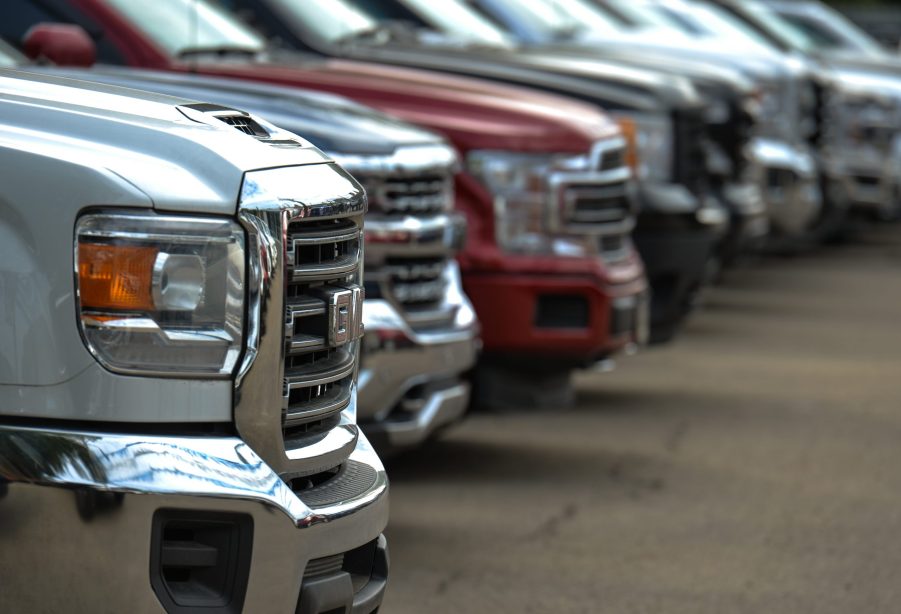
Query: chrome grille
(417, 283)
(597, 204)
(408, 266)
(597, 201)
(323, 316)
(410, 194)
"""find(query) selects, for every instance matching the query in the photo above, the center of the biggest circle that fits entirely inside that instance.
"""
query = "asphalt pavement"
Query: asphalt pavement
(754, 465)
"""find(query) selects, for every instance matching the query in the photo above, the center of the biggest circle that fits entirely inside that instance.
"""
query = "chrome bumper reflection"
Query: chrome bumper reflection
(788, 178)
(76, 513)
(397, 359)
(866, 177)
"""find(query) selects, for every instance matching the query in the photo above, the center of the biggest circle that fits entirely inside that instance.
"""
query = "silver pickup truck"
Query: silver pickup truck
(182, 307)
(421, 332)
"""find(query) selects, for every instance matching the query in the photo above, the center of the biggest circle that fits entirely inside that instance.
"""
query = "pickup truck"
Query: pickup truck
(756, 159)
(421, 332)
(182, 314)
(859, 138)
(681, 220)
(549, 264)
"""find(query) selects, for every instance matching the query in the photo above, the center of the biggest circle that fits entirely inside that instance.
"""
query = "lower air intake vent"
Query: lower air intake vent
(200, 561)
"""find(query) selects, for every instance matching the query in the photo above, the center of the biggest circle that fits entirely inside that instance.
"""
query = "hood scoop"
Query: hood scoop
(241, 121)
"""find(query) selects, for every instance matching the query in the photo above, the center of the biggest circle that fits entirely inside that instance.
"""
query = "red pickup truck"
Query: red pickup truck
(545, 185)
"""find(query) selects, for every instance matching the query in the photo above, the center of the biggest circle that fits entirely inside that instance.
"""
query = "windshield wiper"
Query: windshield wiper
(219, 51)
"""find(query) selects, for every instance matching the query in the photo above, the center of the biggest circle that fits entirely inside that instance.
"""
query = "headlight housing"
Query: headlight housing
(519, 183)
(161, 295)
(651, 145)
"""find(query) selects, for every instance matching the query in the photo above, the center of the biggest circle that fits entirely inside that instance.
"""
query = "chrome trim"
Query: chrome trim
(566, 186)
(412, 160)
(271, 200)
(412, 236)
(65, 493)
(441, 408)
(397, 356)
(207, 466)
(792, 208)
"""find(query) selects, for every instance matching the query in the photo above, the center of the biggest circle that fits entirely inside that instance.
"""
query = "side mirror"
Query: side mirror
(63, 44)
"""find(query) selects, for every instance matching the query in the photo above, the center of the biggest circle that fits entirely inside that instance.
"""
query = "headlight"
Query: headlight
(524, 202)
(161, 295)
(650, 139)
(519, 185)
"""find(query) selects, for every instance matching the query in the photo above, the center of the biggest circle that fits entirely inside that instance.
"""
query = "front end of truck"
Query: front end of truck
(860, 119)
(550, 265)
(421, 330)
(179, 379)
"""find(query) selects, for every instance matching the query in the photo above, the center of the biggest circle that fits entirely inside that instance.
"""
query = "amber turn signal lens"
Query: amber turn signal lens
(115, 276)
(630, 134)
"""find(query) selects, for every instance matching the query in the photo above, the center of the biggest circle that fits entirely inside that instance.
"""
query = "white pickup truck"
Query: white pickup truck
(181, 307)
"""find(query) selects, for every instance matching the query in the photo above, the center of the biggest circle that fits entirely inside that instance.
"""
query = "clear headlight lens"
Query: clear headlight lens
(161, 295)
(650, 139)
(522, 197)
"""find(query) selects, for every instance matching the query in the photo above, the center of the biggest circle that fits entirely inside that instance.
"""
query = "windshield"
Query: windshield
(333, 20)
(594, 17)
(546, 19)
(830, 29)
(769, 20)
(180, 26)
(456, 18)
(642, 14)
(712, 20)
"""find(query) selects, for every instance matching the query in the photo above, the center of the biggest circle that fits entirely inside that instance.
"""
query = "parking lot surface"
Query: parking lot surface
(752, 466)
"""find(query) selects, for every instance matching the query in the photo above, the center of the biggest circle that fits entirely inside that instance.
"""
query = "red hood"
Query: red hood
(473, 113)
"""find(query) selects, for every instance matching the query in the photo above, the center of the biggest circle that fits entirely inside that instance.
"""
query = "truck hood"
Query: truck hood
(473, 114)
(178, 157)
(696, 60)
(332, 123)
(612, 85)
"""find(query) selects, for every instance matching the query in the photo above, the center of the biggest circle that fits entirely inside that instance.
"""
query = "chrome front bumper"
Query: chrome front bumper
(788, 178)
(866, 179)
(410, 382)
(77, 510)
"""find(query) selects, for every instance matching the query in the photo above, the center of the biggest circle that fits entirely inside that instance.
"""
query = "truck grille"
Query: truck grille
(597, 201)
(413, 278)
(410, 194)
(597, 204)
(417, 283)
(690, 165)
(322, 319)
